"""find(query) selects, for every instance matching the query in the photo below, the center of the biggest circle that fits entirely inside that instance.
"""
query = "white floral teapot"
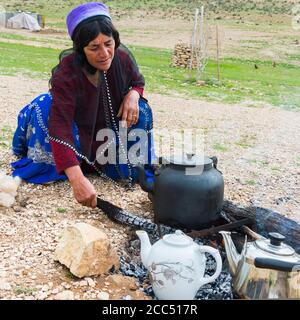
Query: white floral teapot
(176, 265)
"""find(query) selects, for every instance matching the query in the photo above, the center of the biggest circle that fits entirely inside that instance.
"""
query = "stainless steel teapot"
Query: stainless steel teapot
(265, 269)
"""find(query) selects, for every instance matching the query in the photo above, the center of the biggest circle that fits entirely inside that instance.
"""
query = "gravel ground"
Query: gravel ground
(258, 151)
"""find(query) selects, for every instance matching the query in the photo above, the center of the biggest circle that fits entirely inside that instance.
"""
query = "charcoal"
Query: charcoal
(131, 266)
(220, 289)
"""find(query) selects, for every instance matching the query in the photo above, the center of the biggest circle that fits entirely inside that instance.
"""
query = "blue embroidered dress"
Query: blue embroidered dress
(31, 143)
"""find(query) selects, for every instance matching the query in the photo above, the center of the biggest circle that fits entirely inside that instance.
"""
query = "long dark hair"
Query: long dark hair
(87, 31)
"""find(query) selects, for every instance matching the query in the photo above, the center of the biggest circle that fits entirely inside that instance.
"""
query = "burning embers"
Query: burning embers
(262, 268)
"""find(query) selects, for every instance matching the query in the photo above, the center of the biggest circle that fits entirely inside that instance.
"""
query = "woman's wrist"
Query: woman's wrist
(134, 93)
(139, 90)
(74, 173)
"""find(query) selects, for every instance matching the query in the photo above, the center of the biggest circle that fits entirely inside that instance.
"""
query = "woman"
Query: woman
(92, 88)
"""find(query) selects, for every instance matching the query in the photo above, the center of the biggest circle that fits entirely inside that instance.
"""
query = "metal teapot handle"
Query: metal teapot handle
(216, 255)
(215, 163)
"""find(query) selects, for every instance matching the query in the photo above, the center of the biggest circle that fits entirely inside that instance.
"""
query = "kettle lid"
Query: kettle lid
(190, 160)
(274, 245)
(178, 238)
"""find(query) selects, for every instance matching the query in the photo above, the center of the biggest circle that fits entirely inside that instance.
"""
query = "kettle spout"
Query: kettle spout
(142, 179)
(145, 246)
(233, 256)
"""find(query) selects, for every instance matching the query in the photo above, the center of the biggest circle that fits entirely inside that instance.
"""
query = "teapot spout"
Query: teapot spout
(145, 246)
(233, 256)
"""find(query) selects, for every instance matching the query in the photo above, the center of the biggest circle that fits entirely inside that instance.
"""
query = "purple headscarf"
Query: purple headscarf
(83, 12)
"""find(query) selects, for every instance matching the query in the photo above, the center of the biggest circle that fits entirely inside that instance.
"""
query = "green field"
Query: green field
(58, 8)
(240, 81)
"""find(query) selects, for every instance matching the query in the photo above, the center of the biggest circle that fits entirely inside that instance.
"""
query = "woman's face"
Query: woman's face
(100, 52)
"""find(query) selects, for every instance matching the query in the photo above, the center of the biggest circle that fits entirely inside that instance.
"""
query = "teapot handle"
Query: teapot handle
(216, 255)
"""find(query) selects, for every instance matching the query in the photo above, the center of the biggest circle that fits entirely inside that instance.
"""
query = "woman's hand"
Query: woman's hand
(129, 109)
(84, 192)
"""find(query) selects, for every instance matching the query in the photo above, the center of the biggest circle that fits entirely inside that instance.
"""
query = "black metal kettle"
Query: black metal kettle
(187, 191)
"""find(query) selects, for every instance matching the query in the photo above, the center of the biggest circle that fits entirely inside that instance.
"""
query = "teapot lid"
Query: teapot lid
(190, 160)
(178, 238)
(274, 245)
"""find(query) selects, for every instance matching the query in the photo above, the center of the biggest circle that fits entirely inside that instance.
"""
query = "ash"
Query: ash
(220, 289)
(131, 264)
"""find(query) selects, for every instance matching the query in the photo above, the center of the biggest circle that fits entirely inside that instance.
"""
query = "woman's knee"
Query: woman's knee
(145, 113)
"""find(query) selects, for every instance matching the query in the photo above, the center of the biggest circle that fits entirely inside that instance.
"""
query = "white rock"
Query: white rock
(5, 285)
(55, 291)
(45, 288)
(90, 282)
(85, 250)
(8, 189)
(65, 295)
(83, 283)
(42, 295)
(103, 296)
(66, 285)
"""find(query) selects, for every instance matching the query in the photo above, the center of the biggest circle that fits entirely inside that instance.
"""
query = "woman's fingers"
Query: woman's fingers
(120, 111)
(130, 109)
(132, 116)
(84, 192)
(136, 116)
(91, 203)
(94, 202)
(130, 119)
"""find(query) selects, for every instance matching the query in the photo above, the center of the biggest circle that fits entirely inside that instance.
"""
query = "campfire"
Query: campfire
(240, 221)
(220, 289)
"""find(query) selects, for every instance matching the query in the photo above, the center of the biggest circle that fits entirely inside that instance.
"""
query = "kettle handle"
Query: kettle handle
(215, 163)
(274, 264)
(216, 255)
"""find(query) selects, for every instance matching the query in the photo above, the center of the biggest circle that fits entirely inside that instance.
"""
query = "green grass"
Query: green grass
(262, 163)
(70, 275)
(6, 133)
(251, 182)
(4, 35)
(220, 147)
(246, 141)
(27, 60)
(59, 8)
(240, 81)
(24, 290)
(19, 37)
(276, 169)
(294, 56)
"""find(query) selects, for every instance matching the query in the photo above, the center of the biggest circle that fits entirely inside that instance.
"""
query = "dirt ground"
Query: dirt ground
(257, 147)
(259, 161)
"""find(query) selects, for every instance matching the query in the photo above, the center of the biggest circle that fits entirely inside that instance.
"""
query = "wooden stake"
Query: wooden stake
(218, 53)
(194, 37)
(200, 44)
